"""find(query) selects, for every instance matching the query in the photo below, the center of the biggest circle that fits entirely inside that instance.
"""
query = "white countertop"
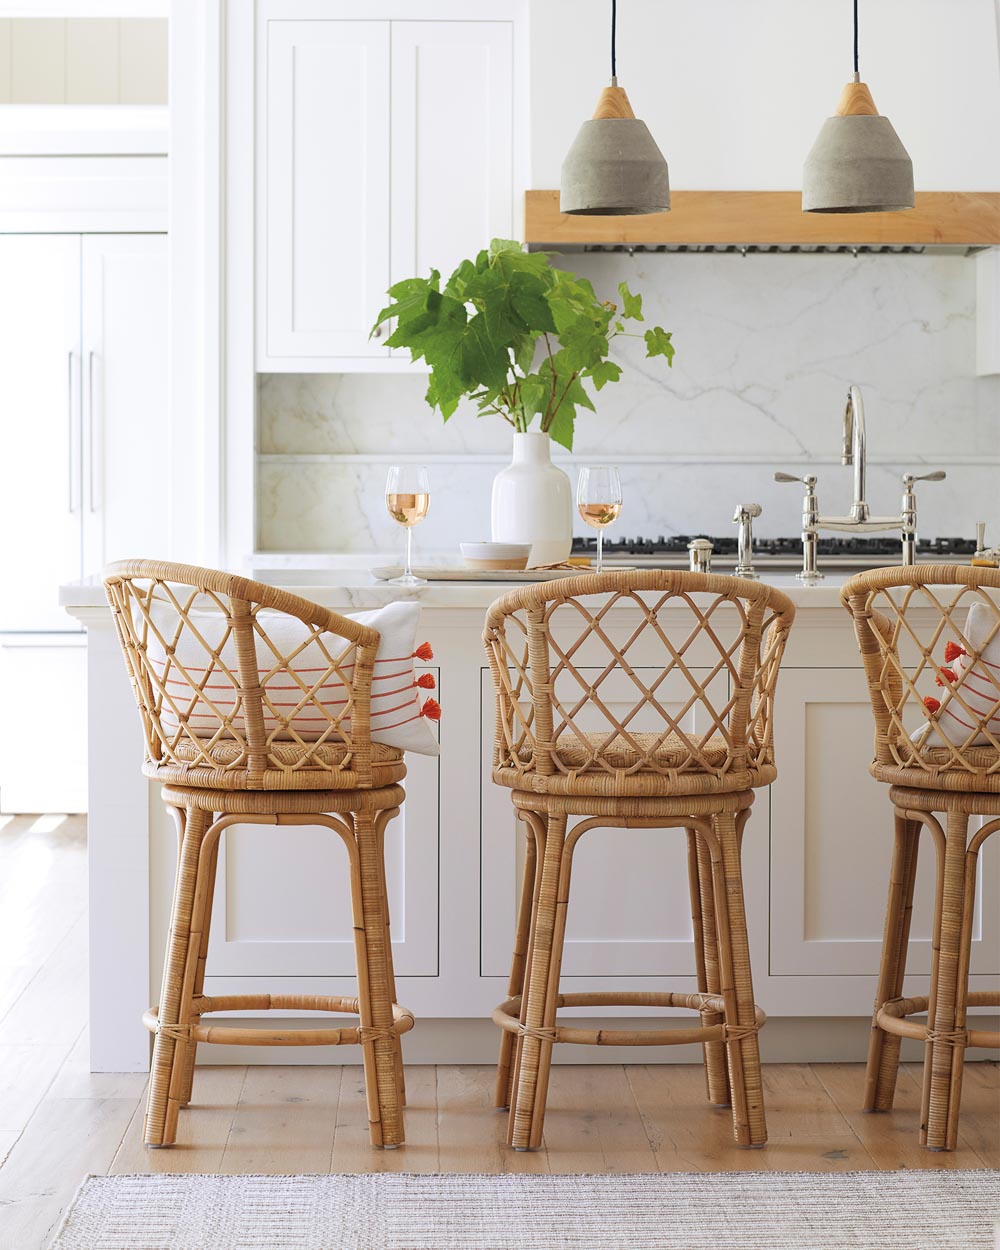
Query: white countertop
(345, 588)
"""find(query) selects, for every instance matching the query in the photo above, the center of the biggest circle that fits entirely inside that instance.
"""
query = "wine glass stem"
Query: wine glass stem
(409, 550)
(600, 551)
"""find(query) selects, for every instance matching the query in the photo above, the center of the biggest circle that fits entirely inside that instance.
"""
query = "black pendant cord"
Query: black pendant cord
(614, 23)
(856, 69)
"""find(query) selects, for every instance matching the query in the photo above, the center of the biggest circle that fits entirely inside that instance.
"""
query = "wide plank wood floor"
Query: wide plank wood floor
(59, 1122)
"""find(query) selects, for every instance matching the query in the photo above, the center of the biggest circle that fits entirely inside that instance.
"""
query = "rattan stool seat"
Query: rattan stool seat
(682, 748)
(910, 622)
(236, 758)
(936, 770)
(216, 766)
(596, 763)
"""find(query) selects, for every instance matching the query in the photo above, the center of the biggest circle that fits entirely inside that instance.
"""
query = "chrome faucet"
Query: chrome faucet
(743, 517)
(859, 519)
(855, 450)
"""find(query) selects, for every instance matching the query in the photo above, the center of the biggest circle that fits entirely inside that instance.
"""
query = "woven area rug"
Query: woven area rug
(913, 1210)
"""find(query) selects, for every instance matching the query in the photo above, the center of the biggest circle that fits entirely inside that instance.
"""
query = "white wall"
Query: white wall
(58, 60)
(766, 347)
(734, 91)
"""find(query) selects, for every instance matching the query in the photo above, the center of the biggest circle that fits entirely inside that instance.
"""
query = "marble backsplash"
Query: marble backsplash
(766, 346)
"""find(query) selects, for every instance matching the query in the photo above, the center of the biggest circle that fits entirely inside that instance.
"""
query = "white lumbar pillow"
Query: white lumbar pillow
(977, 681)
(400, 715)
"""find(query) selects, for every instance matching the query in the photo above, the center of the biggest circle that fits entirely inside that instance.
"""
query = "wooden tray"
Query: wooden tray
(443, 574)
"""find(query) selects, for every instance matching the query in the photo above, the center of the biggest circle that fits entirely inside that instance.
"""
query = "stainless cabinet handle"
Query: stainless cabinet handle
(90, 428)
(70, 457)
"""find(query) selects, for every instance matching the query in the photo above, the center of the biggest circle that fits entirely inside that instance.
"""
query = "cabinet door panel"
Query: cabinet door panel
(283, 900)
(125, 425)
(325, 208)
(40, 476)
(630, 912)
(831, 840)
(451, 142)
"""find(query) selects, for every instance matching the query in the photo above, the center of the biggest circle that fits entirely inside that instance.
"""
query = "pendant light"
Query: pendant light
(857, 164)
(614, 167)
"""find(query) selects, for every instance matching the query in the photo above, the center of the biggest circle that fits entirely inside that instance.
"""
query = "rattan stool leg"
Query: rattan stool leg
(159, 1127)
(515, 985)
(749, 1126)
(375, 1000)
(945, 1049)
(527, 1111)
(204, 923)
(536, 824)
(706, 953)
(400, 1074)
(883, 1048)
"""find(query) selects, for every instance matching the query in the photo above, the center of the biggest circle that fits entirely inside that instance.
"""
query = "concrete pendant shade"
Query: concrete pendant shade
(614, 167)
(857, 164)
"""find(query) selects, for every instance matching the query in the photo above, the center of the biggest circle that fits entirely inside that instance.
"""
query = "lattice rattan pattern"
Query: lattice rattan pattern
(910, 622)
(697, 655)
(221, 703)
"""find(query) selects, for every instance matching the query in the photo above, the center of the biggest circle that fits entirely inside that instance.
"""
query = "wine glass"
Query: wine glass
(407, 497)
(599, 501)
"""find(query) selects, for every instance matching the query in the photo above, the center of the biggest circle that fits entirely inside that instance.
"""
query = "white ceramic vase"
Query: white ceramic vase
(533, 502)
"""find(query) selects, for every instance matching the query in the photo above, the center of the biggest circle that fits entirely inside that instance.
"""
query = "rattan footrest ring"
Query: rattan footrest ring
(228, 1035)
(507, 1016)
(891, 1017)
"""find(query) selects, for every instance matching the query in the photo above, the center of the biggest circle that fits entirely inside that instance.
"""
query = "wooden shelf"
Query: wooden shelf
(939, 218)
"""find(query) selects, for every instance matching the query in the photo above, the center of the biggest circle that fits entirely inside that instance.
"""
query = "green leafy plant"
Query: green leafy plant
(483, 332)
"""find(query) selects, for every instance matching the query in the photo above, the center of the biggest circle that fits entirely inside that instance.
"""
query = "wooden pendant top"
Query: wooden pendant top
(856, 101)
(613, 104)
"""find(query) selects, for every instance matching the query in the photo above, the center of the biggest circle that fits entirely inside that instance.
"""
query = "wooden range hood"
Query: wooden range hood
(951, 219)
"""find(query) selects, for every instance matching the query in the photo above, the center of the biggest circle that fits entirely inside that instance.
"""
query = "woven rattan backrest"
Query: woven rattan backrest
(216, 692)
(680, 649)
(931, 713)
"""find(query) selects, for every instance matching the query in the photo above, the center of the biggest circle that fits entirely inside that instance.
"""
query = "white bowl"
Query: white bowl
(496, 555)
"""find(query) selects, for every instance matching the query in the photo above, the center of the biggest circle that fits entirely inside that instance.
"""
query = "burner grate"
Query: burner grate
(791, 548)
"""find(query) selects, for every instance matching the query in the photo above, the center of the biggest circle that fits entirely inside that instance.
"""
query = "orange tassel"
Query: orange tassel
(423, 652)
(431, 709)
(948, 674)
(952, 651)
(425, 681)
(932, 704)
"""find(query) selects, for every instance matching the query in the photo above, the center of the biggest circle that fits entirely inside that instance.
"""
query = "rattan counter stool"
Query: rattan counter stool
(939, 751)
(715, 644)
(239, 735)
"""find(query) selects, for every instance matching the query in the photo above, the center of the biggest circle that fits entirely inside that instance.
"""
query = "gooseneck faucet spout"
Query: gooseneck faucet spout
(859, 520)
(855, 451)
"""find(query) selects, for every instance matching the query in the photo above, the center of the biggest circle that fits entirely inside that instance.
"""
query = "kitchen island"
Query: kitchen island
(453, 856)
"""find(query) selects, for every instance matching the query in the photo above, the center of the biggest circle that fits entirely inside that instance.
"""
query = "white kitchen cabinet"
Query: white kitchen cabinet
(452, 148)
(831, 840)
(326, 207)
(41, 501)
(283, 903)
(815, 888)
(124, 397)
(346, 203)
(83, 381)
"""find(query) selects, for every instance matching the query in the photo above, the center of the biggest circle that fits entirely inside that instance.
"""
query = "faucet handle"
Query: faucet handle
(937, 476)
(809, 481)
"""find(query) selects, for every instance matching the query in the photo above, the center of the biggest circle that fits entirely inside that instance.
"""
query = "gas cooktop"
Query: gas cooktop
(771, 552)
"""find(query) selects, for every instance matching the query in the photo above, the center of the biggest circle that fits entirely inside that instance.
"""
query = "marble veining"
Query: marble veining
(766, 346)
